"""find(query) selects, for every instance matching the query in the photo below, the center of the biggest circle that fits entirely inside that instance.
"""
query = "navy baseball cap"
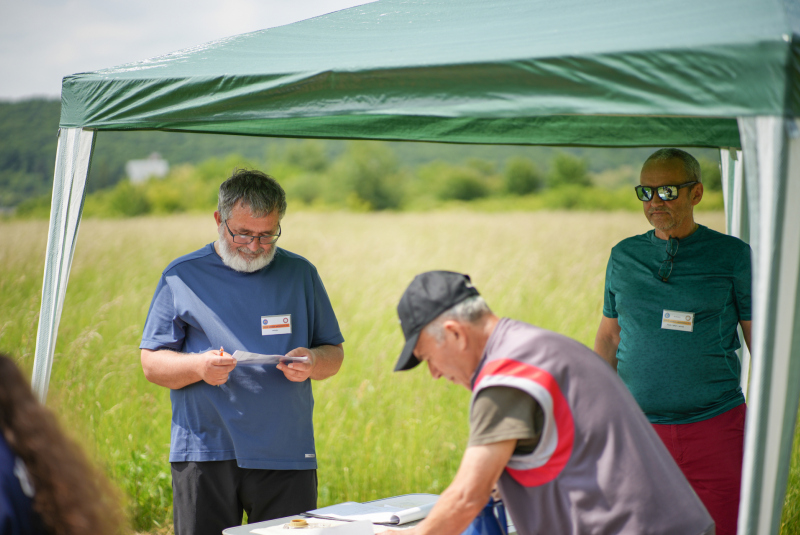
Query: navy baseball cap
(428, 295)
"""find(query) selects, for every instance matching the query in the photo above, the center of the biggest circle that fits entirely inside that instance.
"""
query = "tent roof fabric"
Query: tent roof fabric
(584, 72)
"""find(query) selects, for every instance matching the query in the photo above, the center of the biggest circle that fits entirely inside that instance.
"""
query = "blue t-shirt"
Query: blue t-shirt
(17, 516)
(258, 417)
(679, 376)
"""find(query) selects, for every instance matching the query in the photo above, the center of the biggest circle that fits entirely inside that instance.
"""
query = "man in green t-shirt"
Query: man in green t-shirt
(673, 300)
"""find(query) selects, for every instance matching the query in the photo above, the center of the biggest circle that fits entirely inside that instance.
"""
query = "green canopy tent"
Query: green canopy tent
(577, 72)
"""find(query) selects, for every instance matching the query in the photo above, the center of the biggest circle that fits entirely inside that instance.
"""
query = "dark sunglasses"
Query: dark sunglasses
(665, 193)
(666, 266)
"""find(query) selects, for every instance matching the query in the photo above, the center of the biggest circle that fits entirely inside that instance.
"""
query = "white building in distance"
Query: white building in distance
(141, 170)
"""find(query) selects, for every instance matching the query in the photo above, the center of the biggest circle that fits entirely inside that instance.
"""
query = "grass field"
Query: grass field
(378, 433)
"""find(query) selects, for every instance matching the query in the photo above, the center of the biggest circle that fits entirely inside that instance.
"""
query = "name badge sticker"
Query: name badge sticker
(676, 320)
(276, 324)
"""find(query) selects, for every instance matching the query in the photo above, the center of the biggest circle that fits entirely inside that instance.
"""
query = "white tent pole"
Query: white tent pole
(737, 224)
(772, 171)
(727, 159)
(735, 194)
(73, 157)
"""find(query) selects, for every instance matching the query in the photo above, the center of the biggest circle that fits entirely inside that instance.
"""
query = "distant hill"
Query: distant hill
(28, 138)
(27, 149)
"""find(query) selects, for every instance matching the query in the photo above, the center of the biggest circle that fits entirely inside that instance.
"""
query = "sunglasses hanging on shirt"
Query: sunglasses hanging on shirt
(666, 266)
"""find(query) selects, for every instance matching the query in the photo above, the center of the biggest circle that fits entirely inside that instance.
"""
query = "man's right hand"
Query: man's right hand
(607, 340)
(176, 370)
(215, 368)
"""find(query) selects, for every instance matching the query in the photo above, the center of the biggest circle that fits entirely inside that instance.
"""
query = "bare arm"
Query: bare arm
(175, 370)
(469, 492)
(324, 362)
(607, 340)
(746, 332)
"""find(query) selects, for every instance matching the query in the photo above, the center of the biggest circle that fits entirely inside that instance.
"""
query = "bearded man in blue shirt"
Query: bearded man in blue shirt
(673, 300)
(242, 436)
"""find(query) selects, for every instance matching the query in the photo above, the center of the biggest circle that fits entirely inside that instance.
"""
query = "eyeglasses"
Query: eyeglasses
(244, 239)
(666, 266)
(665, 193)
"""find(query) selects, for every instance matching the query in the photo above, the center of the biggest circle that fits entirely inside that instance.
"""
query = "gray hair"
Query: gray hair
(470, 310)
(257, 190)
(690, 164)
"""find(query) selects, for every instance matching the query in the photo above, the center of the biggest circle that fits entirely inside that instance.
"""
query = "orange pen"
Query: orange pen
(220, 353)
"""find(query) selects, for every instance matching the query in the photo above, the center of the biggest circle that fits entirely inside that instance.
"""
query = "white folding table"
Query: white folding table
(402, 500)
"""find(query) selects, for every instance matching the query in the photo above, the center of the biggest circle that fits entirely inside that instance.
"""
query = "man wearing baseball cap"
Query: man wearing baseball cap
(551, 425)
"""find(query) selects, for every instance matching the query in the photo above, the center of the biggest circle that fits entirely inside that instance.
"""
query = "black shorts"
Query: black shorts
(210, 496)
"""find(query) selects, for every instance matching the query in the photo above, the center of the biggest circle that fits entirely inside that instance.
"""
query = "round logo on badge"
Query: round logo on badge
(286, 320)
(666, 314)
(265, 322)
(688, 318)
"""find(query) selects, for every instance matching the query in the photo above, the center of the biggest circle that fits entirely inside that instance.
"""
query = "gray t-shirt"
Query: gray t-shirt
(502, 413)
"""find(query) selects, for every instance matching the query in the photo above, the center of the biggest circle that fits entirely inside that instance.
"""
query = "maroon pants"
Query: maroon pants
(710, 454)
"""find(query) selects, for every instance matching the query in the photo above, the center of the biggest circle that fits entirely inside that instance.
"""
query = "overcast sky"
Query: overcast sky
(41, 41)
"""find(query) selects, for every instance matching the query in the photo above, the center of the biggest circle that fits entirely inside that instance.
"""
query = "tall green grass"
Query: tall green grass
(378, 433)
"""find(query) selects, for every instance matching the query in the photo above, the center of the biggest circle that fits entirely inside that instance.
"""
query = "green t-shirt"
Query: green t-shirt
(678, 376)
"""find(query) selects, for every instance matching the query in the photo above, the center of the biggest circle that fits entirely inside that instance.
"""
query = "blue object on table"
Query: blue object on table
(490, 521)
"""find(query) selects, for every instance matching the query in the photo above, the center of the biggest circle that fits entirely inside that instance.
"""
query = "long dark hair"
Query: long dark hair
(72, 497)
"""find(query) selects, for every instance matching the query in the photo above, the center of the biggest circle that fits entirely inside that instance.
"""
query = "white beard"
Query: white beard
(242, 259)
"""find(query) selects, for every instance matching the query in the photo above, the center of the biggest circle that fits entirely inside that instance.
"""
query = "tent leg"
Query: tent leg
(73, 157)
(737, 224)
(735, 193)
(772, 171)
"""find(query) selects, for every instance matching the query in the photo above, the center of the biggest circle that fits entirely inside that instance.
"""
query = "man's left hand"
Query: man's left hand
(298, 372)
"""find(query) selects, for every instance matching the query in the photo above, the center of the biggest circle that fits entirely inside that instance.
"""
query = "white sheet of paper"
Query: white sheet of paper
(379, 514)
(243, 357)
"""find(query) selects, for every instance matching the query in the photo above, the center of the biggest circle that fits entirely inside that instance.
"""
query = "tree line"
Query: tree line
(368, 176)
